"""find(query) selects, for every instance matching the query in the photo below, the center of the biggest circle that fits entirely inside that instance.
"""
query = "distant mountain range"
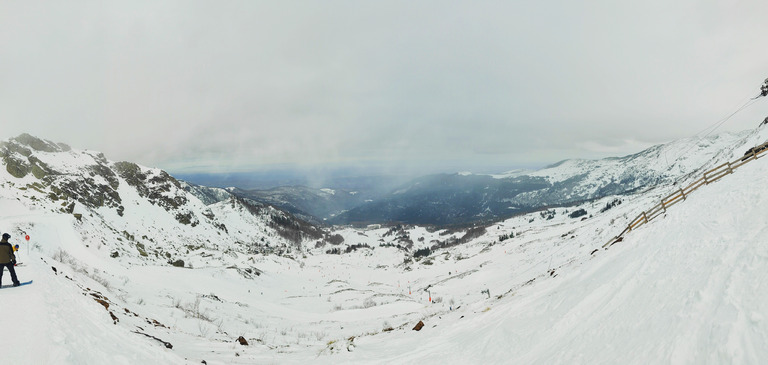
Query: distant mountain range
(315, 205)
(461, 198)
(86, 180)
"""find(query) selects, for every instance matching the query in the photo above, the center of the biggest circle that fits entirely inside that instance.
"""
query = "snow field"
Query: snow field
(688, 288)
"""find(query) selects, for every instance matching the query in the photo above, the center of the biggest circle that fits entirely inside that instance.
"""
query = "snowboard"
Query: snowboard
(20, 284)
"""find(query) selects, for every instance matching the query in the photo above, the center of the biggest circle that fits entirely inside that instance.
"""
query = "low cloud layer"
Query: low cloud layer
(212, 86)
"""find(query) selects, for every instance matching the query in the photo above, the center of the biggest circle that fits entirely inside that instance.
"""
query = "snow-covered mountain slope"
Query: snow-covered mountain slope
(207, 195)
(462, 198)
(656, 165)
(128, 211)
(689, 288)
(533, 289)
(304, 202)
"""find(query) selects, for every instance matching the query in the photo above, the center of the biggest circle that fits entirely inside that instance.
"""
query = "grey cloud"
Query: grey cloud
(237, 85)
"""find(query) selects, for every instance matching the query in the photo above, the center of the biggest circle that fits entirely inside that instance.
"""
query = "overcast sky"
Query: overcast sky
(471, 85)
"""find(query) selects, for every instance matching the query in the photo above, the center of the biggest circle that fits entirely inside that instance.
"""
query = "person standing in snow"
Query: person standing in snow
(7, 259)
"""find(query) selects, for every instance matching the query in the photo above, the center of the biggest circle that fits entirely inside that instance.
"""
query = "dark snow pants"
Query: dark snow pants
(11, 269)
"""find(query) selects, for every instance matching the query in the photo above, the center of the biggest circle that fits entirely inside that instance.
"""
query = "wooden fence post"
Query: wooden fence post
(693, 186)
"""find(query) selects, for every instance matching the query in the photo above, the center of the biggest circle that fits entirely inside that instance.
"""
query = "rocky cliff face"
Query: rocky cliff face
(89, 178)
(141, 211)
(43, 166)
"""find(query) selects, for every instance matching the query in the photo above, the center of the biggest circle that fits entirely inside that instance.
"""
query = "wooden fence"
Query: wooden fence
(682, 193)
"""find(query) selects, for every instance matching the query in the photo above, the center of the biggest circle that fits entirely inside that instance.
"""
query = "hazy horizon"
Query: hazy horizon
(319, 176)
(195, 86)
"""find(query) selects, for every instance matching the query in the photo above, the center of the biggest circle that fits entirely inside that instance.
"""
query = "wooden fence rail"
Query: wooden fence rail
(681, 194)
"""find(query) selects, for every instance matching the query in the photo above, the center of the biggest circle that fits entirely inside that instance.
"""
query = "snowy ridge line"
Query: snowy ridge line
(708, 177)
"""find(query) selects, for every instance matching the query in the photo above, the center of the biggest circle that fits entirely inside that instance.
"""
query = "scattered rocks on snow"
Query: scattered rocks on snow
(242, 341)
(166, 344)
(419, 326)
(155, 323)
(102, 302)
